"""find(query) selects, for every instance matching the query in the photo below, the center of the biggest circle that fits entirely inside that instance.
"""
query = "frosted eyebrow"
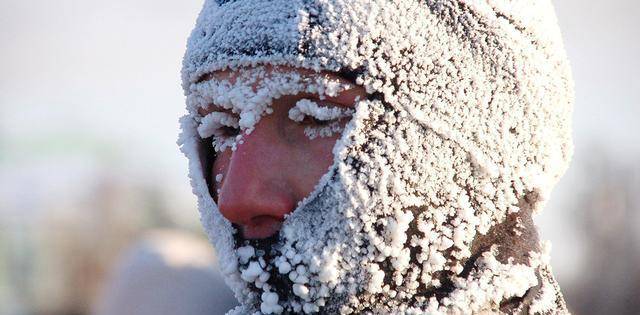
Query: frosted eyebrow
(343, 97)
(341, 100)
(306, 107)
(348, 96)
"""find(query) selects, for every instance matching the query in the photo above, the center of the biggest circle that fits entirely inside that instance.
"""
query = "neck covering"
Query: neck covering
(427, 207)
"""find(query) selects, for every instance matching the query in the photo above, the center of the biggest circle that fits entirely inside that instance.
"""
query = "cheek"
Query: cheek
(318, 157)
(322, 150)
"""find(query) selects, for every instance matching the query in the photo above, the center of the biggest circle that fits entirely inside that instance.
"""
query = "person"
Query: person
(164, 272)
(378, 157)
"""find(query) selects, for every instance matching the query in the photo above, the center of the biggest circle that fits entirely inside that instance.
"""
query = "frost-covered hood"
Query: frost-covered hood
(427, 207)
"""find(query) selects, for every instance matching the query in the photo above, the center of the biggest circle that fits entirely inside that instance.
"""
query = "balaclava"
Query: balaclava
(427, 208)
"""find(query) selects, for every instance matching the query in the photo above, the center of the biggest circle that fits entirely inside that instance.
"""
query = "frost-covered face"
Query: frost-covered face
(261, 178)
(415, 199)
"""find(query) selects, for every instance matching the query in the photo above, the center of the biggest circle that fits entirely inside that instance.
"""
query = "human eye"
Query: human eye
(222, 127)
(313, 121)
(319, 120)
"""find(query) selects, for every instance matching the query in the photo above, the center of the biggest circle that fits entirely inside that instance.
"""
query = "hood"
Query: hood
(427, 206)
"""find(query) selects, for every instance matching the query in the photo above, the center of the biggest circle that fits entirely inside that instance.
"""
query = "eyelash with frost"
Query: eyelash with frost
(310, 108)
(211, 126)
(305, 107)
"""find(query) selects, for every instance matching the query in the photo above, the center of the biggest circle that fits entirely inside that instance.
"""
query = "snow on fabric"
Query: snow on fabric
(467, 124)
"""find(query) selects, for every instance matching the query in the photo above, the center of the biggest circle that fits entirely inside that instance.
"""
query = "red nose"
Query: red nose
(253, 193)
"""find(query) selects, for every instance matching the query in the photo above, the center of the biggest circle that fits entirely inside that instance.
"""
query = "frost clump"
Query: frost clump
(269, 303)
(245, 253)
(252, 272)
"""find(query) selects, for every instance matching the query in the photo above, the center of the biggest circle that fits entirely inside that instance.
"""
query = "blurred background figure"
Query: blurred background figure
(607, 221)
(165, 273)
(89, 102)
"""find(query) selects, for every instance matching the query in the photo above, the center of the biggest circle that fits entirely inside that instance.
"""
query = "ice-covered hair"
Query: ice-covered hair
(427, 207)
